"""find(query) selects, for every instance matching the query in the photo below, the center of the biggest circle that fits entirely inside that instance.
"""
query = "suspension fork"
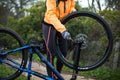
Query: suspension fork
(76, 60)
(30, 62)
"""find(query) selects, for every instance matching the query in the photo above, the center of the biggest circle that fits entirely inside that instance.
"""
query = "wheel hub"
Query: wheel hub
(2, 51)
(83, 39)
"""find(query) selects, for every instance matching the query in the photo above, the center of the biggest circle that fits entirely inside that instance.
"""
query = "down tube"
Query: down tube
(49, 64)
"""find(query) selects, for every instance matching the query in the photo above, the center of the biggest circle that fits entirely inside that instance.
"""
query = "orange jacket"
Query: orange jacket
(54, 14)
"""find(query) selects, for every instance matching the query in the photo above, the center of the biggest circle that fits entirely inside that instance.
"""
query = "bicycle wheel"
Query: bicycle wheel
(92, 41)
(10, 40)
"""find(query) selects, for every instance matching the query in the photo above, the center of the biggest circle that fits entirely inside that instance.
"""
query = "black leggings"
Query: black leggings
(47, 34)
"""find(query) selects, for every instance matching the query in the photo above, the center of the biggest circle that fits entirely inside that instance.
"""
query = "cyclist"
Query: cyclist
(53, 16)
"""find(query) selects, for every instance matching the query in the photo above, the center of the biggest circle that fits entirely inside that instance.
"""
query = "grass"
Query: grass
(103, 73)
(7, 71)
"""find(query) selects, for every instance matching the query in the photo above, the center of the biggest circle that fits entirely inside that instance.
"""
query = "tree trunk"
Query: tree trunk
(99, 5)
(116, 55)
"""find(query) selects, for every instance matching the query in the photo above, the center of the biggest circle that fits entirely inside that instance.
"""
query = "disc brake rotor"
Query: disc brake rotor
(82, 38)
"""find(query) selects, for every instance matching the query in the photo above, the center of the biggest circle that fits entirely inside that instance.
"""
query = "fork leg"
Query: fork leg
(76, 61)
(30, 63)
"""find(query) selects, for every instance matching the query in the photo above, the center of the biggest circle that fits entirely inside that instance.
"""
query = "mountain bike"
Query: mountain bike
(89, 48)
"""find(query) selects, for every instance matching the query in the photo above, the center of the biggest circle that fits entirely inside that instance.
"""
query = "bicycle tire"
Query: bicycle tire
(107, 36)
(7, 73)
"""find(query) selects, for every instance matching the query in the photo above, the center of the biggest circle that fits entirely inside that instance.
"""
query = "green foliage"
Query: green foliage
(36, 58)
(113, 4)
(1, 25)
(30, 25)
(77, 6)
(103, 73)
(113, 19)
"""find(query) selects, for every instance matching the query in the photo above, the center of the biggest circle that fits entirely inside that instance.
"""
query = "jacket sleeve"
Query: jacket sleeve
(73, 6)
(51, 16)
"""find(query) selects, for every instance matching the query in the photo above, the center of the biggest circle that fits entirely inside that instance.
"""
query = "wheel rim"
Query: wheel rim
(100, 40)
(8, 42)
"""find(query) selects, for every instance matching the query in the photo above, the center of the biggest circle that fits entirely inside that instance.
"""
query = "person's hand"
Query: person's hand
(66, 35)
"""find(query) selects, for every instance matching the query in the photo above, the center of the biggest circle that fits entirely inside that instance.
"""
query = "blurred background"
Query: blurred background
(24, 16)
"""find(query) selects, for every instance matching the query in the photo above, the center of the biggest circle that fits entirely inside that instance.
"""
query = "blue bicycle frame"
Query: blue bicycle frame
(32, 48)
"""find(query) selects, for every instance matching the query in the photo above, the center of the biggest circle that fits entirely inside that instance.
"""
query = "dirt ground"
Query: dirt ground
(40, 68)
